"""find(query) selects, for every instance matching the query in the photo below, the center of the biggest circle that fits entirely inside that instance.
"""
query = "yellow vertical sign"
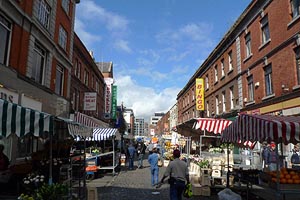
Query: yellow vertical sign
(199, 94)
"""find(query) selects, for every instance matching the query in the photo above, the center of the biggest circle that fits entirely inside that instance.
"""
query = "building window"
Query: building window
(224, 101)
(230, 61)
(222, 68)
(206, 82)
(86, 77)
(59, 80)
(216, 73)
(248, 45)
(298, 64)
(62, 38)
(193, 95)
(217, 105)
(44, 13)
(250, 88)
(231, 98)
(207, 109)
(97, 87)
(268, 80)
(39, 62)
(295, 5)
(265, 29)
(5, 34)
(66, 4)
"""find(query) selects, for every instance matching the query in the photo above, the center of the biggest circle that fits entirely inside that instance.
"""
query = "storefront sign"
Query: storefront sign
(9, 96)
(114, 102)
(108, 91)
(199, 94)
(90, 99)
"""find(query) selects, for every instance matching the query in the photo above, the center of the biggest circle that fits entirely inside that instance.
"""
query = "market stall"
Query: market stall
(280, 129)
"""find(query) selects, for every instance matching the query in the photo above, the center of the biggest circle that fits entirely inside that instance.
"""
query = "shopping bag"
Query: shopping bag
(159, 163)
(188, 193)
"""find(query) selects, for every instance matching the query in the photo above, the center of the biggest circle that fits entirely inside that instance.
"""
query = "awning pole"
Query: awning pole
(113, 155)
(50, 181)
(227, 176)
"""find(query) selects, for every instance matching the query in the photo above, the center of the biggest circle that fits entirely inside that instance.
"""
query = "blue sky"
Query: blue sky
(155, 45)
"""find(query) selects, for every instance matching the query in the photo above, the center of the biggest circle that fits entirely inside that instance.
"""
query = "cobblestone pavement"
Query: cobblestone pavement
(136, 185)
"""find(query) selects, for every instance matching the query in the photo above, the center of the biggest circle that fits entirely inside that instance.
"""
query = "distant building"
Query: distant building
(139, 127)
(157, 116)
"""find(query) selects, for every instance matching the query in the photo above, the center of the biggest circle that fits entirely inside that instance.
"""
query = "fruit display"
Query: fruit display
(286, 176)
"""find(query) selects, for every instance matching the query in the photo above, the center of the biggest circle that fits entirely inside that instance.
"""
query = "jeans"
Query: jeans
(176, 190)
(140, 160)
(131, 160)
(154, 175)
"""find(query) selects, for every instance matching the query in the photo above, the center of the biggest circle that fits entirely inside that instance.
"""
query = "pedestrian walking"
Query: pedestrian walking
(178, 174)
(131, 151)
(140, 151)
(271, 157)
(295, 159)
(154, 169)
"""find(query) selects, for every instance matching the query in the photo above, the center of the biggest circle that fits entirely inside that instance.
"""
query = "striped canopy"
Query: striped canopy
(21, 121)
(215, 126)
(263, 127)
(103, 133)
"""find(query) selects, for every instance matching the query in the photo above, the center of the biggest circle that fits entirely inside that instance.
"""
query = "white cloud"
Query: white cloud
(86, 37)
(144, 100)
(122, 45)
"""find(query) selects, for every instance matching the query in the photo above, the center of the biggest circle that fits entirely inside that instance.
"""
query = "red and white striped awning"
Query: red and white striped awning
(212, 125)
(263, 127)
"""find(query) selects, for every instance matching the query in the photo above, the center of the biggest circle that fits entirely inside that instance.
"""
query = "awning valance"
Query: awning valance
(211, 125)
(89, 121)
(103, 133)
(21, 121)
(263, 127)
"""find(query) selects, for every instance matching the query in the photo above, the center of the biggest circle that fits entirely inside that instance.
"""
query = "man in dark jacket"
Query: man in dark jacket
(140, 151)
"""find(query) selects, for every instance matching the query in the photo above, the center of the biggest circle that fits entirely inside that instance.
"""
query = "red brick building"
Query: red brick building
(253, 69)
(36, 52)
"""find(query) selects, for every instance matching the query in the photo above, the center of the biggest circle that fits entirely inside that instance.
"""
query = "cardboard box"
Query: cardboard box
(92, 193)
(205, 180)
(205, 191)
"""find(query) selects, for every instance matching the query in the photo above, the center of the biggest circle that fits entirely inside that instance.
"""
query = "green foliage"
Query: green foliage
(203, 164)
(52, 192)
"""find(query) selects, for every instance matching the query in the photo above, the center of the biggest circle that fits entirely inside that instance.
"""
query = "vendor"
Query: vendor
(271, 157)
(4, 161)
(295, 159)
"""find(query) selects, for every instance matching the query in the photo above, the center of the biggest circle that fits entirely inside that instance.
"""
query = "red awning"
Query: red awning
(263, 127)
(212, 125)
(89, 121)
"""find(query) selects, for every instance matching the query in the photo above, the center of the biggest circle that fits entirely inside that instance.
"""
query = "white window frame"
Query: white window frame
(66, 5)
(62, 37)
(265, 29)
(206, 82)
(223, 101)
(250, 88)
(5, 27)
(39, 63)
(44, 11)
(207, 109)
(268, 80)
(231, 98)
(248, 45)
(59, 80)
(217, 105)
(297, 56)
(222, 68)
(230, 66)
(295, 8)
(216, 73)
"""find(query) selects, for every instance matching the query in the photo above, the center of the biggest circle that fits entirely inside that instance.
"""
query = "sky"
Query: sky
(155, 45)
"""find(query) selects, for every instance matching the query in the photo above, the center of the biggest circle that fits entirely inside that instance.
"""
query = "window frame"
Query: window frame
(66, 6)
(297, 60)
(7, 27)
(216, 73)
(59, 71)
(222, 68)
(231, 95)
(250, 85)
(248, 45)
(44, 13)
(265, 30)
(295, 11)
(206, 82)
(230, 65)
(268, 80)
(39, 50)
(217, 105)
(62, 37)
(224, 101)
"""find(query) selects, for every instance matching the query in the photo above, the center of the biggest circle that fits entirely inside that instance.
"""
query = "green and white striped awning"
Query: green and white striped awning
(21, 121)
